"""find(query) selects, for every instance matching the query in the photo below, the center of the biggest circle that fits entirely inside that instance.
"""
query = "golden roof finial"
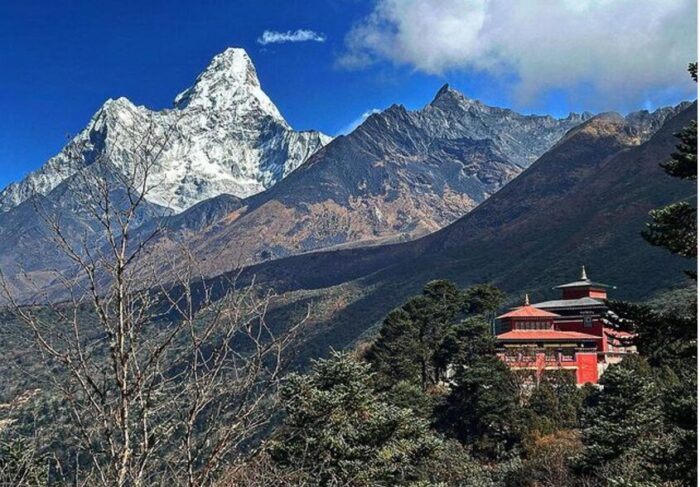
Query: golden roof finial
(527, 299)
(584, 277)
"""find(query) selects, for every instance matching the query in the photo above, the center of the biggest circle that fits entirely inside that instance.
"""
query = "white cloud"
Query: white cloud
(299, 35)
(622, 50)
(358, 121)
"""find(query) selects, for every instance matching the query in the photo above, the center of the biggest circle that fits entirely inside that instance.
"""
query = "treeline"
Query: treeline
(429, 403)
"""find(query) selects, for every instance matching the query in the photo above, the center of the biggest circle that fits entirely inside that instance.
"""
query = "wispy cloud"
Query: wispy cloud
(299, 35)
(620, 50)
(358, 121)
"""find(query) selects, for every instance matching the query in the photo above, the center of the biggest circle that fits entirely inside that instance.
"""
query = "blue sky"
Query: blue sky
(60, 60)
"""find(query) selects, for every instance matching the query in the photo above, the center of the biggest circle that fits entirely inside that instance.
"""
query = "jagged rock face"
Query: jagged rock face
(521, 138)
(398, 176)
(452, 145)
(224, 136)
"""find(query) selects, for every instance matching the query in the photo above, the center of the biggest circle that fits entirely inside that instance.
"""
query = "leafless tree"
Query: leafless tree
(164, 382)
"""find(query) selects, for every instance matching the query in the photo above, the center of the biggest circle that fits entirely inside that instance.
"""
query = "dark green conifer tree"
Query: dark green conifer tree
(395, 354)
(482, 408)
(554, 404)
(339, 431)
(668, 338)
(411, 343)
(622, 419)
(675, 226)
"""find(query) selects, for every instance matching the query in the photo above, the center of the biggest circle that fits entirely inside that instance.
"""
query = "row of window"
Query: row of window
(550, 355)
(533, 325)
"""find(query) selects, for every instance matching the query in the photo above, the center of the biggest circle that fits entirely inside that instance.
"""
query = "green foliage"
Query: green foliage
(553, 404)
(22, 465)
(444, 330)
(665, 338)
(410, 395)
(622, 418)
(684, 163)
(482, 408)
(483, 298)
(339, 431)
(465, 343)
(653, 434)
(672, 456)
(395, 356)
(674, 227)
(546, 461)
(416, 341)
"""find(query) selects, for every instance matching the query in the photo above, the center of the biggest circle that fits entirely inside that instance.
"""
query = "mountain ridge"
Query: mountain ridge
(399, 175)
(223, 136)
(594, 219)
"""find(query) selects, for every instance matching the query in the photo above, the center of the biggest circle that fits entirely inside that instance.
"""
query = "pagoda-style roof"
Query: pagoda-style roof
(528, 311)
(584, 302)
(583, 281)
(545, 335)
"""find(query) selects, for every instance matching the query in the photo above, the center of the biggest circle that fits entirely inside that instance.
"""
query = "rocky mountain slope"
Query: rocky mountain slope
(32, 254)
(583, 202)
(398, 176)
(223, 135)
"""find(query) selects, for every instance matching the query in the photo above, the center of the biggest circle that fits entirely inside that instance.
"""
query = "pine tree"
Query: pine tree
(412, 340)
(483, 299)
(465, 343)
(622, 418)
(675, 226)
(395, 354)
(338, 431)
(553, 404)
(684, 163)
(668, 338)
(681, 417)
(482, 409)
(664, 337)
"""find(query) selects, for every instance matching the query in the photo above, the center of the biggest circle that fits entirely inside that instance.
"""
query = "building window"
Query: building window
(568, 355)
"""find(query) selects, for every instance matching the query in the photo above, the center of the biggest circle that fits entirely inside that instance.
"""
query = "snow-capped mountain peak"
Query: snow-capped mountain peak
(223, 136)
(230, 81)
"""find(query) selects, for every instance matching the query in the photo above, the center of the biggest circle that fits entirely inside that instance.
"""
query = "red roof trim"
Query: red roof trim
(545, 335)
(528, 311)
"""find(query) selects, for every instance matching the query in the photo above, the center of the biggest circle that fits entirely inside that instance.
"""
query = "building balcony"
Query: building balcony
(541, 358)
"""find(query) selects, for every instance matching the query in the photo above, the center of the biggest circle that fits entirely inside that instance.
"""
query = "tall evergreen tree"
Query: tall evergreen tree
(664, 337)
(674, 227)
(622, 418)
(395, 356)
(674, 458)
(553, 404)
(411, 343)
(465, 343)
(668, 338)
(482, 408)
